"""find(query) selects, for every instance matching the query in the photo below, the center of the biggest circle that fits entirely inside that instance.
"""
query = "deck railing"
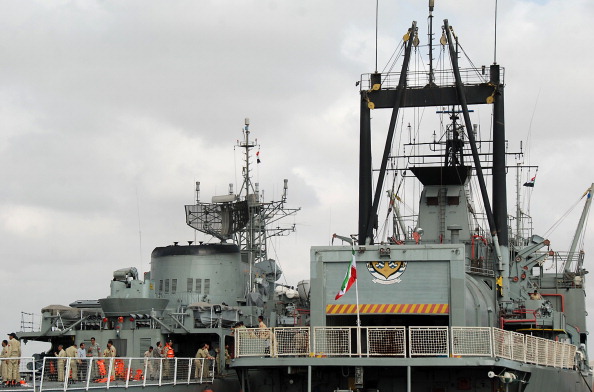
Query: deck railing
(26, 365)
(64, 373)
(411, 342)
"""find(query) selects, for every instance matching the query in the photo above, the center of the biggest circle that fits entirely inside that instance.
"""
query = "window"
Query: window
(190, 285)
(173, 286)
(198, 286)
(206, 286)
(166, 286)
(160, 286)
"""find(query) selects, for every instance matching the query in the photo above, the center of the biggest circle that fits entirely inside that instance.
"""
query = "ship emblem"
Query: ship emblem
(386, 272)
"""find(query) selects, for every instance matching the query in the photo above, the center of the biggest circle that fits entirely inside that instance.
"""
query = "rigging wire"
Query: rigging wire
(562, 218)
(277, 261)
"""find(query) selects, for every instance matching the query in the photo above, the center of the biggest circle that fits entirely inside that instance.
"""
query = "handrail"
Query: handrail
(65, 373)
(406, 342)
(27, 372)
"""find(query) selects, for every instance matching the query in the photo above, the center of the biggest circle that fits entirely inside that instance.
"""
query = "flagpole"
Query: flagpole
(358, 319)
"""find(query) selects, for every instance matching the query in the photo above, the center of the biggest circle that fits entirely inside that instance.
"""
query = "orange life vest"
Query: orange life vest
(170, 353)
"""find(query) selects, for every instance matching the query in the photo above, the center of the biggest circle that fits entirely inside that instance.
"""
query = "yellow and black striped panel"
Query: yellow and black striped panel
(389, 309)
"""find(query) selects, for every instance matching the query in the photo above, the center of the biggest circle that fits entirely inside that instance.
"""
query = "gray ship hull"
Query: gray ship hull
(418, 374)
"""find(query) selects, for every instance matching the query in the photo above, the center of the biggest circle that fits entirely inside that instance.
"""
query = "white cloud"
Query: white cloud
(112, 110)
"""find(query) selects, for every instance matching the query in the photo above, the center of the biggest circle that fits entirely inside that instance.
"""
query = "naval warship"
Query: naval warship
(449, 292)
(194, 294)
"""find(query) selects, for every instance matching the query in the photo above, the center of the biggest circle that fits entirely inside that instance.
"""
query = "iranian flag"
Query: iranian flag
(350, 277)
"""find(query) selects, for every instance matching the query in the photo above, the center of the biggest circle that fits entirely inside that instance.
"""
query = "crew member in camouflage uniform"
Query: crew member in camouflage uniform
(94, 351)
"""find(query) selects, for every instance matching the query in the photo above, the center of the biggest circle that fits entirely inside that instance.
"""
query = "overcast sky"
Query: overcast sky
(111, 110)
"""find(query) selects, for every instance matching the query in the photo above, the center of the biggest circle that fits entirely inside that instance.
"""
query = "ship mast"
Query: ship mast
(244, 217)
(253, 238)
(253, 202)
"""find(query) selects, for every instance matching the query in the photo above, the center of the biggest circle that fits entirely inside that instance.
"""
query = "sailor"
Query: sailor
(110, 352)
(169, 349)
(14, 352)
(82, 361)
(169, 355)
(72, 353)
(94, 352)
(261, 322)
(227, 357)
(4, 362)
(202, 357)
(265, 334)
(61, 354)
(535, 295)
(148, 363)
(217, 357)
(159, 351)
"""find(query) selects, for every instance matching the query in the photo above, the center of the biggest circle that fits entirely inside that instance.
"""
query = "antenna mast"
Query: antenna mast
(431, 77)
(495, 46)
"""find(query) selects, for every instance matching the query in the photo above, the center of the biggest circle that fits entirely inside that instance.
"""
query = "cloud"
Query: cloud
(112, 110)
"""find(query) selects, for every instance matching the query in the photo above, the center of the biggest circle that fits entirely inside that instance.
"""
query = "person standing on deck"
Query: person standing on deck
(201, 360)
(158, 353)
(82, 361)
(265, 334)
(227, 357)
(72, 353)
(94, 352)
(4, 362)
(110, 352)
(169, 355)
(61, 354)
(14, 353)
(148, 363)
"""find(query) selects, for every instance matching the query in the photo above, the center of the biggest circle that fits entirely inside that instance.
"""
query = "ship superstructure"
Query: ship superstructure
(194, 293)
(449, 298)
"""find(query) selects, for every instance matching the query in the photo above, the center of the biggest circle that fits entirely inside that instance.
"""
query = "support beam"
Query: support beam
(502, 264)
(400, 92)
(365, 169)
(499, 174)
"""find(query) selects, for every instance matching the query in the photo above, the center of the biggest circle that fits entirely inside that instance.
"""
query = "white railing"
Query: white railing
(471, 342)
(64, 373)
(291, 341)
(333, 341)
(386, 341)
(452, 342)
(428, 341)
(26, 372)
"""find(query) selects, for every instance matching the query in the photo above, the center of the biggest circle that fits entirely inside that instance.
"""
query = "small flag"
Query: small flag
(530, 183)
(258, 156)
(350, 277)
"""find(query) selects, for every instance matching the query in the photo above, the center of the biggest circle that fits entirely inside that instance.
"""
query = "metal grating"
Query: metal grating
(386, 341)
(471, 341)
(428, 341)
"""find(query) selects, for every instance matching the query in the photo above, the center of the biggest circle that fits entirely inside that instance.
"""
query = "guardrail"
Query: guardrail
(419, 79)
(411, 342)
(65, 373)
(26, 380)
